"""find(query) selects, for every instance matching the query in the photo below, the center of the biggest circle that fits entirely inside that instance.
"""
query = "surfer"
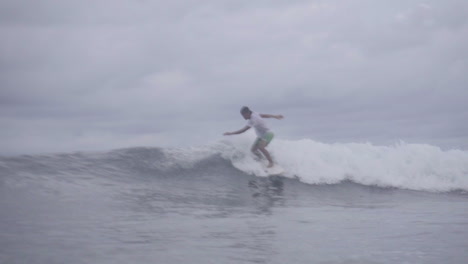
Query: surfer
(264, 135)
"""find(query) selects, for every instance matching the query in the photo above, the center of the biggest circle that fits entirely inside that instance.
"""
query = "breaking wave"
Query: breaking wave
(405, 166)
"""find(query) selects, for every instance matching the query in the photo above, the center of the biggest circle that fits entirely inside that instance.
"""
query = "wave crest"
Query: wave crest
(406, 166)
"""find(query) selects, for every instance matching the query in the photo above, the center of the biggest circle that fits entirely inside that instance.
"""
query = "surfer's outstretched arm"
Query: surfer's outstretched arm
(272, 116)
(240, 131)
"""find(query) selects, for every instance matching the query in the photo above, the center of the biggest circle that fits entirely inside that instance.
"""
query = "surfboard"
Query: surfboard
(275, 170)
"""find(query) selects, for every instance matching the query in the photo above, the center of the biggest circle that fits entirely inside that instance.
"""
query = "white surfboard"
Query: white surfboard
(275, 170)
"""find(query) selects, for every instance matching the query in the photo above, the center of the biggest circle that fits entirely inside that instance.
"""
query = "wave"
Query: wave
(406, 166)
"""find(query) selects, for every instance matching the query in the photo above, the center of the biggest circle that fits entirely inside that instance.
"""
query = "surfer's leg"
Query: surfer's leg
(261, 146)
(267, 138)
(254, 148)
(257, 154)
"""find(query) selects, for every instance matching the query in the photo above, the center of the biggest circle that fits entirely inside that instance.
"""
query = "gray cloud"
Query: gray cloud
(105, 74)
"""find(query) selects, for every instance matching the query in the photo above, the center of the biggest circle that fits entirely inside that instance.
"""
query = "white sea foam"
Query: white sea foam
(407, 166)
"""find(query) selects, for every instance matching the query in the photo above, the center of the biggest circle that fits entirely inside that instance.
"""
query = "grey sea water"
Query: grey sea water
(143, 206)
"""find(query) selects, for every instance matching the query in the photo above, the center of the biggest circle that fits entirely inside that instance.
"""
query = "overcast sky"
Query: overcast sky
(105, 74)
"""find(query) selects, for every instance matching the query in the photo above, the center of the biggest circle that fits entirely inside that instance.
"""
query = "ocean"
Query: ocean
(335, 203)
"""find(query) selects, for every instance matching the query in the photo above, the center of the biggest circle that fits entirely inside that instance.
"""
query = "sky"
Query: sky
(94, 75)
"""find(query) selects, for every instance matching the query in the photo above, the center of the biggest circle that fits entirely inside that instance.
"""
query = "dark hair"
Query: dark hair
(245, 110)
